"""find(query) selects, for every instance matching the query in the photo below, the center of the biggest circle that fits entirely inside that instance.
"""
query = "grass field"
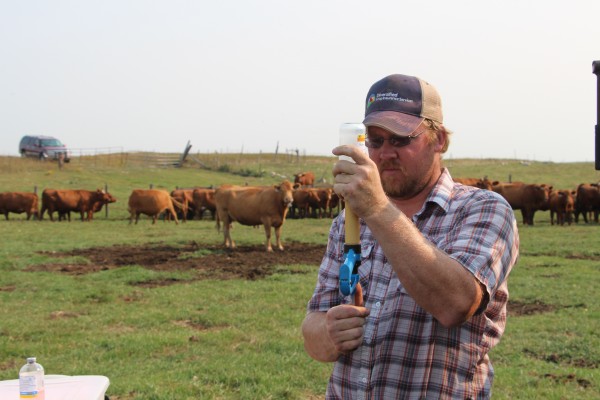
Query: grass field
(193, 333)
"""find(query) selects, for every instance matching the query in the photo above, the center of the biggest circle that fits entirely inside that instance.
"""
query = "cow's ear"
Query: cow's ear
(494, 183)
(277, 187)
(296, 185)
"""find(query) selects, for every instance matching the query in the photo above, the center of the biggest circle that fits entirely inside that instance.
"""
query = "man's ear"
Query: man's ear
(441, 139)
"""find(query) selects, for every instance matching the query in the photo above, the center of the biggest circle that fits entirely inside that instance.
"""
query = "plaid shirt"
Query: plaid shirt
(406, 353)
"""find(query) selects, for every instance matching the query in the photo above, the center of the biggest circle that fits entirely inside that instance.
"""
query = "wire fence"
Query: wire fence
(117, 157)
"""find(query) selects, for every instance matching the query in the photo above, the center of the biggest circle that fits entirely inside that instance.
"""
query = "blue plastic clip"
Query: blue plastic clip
(349, 276)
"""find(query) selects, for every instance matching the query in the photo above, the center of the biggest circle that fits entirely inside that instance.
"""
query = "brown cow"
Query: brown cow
(305, 178)
(335, 203)
(83, 201)
(151, 202)
(301, 203)
(19, 202)
(96, 208)
(525, 197)
(319, 202)
(204, 199)
(98, 205)
(587, 200)
(562, 202)
(481, 183)
(185, 198)
(267, 206)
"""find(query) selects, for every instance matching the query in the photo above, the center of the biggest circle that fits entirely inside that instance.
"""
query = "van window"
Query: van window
(51, 143)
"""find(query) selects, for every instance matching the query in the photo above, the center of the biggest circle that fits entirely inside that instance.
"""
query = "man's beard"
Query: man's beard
(402, 184)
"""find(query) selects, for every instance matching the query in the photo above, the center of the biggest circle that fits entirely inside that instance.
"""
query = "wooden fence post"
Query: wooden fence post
(106, 209)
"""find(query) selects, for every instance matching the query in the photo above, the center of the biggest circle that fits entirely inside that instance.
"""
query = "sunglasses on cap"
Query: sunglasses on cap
(395, 141)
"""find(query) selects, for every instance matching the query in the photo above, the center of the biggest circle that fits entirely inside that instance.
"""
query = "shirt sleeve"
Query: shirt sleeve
(485, 239)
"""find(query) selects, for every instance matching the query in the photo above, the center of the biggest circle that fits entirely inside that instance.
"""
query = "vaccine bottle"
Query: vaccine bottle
(354, 134)
(31, 380)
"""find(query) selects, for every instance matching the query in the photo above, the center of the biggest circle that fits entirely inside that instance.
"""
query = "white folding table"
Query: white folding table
(62, 387)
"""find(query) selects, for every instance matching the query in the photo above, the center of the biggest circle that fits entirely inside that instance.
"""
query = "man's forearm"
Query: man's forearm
(438, 283)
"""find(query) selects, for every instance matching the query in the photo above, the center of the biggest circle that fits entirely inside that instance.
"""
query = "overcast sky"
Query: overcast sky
(515, 76)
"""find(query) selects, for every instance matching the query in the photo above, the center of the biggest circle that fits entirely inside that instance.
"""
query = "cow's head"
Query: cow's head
(570, 205)
(485, 183)
(287, 192)
(327, 193)
(105, 197)
(542, 195)
(569, 199)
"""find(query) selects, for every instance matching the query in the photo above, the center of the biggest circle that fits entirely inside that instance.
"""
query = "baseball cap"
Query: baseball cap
(399, 103)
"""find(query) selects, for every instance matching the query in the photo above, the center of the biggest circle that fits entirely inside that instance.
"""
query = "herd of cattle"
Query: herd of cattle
(248, 205)
(271, 205)
(566, 205)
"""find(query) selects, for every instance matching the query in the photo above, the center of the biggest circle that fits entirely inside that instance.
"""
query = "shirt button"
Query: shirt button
(364, 380)
(378, 304)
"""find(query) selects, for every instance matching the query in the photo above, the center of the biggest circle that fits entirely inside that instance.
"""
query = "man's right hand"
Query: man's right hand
(344, 324)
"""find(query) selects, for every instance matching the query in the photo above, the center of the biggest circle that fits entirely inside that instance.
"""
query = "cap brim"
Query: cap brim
(395, 122)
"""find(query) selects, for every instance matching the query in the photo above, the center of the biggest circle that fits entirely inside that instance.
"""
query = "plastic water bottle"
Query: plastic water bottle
(31, 380)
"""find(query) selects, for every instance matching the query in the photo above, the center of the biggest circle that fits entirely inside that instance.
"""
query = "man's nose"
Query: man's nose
(387, 151)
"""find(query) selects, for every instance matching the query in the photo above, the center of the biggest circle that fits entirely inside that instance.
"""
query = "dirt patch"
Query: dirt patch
(10, 365)
(562, 379)
(210, 262)
(518, 308)
(583, 257)
(559, 359)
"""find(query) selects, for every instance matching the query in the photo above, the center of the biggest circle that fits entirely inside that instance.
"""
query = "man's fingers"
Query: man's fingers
(347, 311)
(345, 326)
(344, 167)
(351, 151)
(347, 323)
(348, 345)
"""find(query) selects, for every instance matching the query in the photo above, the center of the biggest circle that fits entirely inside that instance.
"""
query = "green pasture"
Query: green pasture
(240, 339)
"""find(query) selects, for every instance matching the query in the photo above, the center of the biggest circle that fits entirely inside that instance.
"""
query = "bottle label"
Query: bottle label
(352, 134)
(30, 387)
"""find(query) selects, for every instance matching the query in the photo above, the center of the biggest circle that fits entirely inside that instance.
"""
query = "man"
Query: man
(435, 256)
